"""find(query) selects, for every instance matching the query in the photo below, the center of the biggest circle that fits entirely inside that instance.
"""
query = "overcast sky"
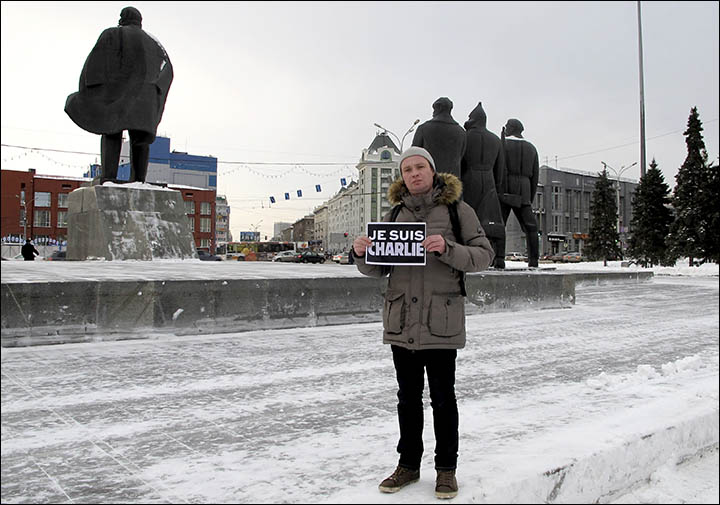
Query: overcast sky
(304, 82)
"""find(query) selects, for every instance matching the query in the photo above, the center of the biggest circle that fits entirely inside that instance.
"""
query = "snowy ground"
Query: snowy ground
(308, 415)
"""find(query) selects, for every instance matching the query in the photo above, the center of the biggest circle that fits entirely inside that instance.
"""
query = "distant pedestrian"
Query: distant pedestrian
(424, 313)
(28, 251)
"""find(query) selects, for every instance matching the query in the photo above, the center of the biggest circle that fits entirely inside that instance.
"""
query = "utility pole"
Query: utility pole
(642, 95)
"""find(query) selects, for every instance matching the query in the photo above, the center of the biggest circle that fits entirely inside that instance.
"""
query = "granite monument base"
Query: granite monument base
(122, 222)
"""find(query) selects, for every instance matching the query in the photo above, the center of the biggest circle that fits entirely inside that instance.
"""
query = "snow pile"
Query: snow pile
(645, 372)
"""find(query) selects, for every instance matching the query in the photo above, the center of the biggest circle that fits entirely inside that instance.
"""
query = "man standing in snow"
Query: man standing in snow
(123, 86)
(424, 313)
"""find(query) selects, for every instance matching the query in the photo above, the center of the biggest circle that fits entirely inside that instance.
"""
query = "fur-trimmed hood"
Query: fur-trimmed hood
(446, 189)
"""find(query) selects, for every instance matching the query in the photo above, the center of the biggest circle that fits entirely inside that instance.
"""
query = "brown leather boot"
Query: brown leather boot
(446, 485)
(400, 478)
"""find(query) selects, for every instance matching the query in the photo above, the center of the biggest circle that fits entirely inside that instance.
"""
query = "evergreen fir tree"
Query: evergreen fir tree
(651, 219)
(604, 241)
(691, 199)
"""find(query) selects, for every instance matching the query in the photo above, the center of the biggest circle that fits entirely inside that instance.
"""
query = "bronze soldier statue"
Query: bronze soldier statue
(123, 86)
(443, 138)
(483, 167)
(520, 184)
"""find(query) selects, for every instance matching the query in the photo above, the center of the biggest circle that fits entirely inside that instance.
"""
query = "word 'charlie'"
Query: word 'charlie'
(396, 249)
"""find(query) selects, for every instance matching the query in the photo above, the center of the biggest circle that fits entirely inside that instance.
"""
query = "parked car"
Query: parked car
(515, 256)
(310, 257)
(206, 256)
(286, 256)
(572, 257)
(557, 258)
(57, 256)
(342, 258)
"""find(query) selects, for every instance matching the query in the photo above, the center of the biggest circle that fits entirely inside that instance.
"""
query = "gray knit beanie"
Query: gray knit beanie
(417, 151)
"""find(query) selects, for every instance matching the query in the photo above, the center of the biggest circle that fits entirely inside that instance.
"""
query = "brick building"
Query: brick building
(43, 199)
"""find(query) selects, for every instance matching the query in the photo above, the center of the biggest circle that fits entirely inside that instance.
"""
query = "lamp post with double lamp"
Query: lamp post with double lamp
(24, 205)
(618, 174)
(385, 130)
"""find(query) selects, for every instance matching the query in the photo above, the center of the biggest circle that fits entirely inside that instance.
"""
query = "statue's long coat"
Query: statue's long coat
(521, 176)
(444, 139)
(483, 167)
(123, 85)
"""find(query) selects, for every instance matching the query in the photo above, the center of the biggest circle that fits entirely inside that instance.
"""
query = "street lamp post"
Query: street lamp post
(618, 174)
(401, 142)
(255, 227)
(24, 204)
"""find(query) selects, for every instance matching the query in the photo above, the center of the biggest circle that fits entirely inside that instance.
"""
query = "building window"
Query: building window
(385, 155)
(42, 199)
(556, 203)
(22, 217)
(586, 204)
(62, 200)
(189, 207)
(62, 219)
(556, 224)
(204, 242)
(205, 208)
(42, 218)
(22, 196)
(204, 225)
(568, 200)
(192, 223)
(576, 204)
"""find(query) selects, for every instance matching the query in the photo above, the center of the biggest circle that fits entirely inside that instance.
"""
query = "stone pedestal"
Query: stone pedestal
(122, 222)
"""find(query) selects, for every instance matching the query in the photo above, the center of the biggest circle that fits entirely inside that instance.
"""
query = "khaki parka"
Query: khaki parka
(424, 308)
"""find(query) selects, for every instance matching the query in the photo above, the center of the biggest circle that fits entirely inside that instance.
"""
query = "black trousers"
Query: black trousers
(110, 147)
(410, 369)
(528, 223)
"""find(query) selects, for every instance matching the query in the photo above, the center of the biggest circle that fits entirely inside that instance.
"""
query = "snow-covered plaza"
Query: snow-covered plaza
(598, 402)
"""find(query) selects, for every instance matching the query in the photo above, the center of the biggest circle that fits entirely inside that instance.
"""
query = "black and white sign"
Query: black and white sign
(396, 244)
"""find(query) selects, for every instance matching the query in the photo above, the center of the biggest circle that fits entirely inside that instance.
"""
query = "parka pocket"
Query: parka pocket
(447, 315)
(394, 312)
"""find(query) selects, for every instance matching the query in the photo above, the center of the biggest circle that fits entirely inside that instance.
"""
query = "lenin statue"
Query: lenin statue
(123, 86)
(483, 167)
(443, 138)
(519, 185)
